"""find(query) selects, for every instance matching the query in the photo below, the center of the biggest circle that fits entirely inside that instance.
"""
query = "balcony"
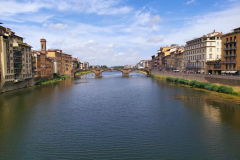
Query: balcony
(193, 67)
(229, 55)
(17, 60)
(15, 48)
(230, 42)
(213, 62)
(217, 67)
(17, 66)
(17, 71)
(227, 62)
(230, 48)
(17, 55)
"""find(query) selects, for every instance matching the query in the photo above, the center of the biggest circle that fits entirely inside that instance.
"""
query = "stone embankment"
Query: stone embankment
(219, 79)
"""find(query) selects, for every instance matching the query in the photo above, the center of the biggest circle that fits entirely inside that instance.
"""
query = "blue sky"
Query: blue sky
(116, 32)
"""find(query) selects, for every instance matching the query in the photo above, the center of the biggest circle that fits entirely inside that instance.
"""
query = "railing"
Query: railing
(226, 62)
(17, 55)
(229, 55)
(230, 48)
(228, 42)
(217, 67)
(17, 71)
(193, 67)
(212, 62)
(18, 66)
(17, 61)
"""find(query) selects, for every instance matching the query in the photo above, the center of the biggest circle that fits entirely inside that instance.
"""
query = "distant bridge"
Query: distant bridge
(98, 71)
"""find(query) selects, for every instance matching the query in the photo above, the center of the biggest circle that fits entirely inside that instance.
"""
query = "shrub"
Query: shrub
(202, 85)
(176, 79)
(213, 88)
(38, 83)
(224, 89)
(192, 83)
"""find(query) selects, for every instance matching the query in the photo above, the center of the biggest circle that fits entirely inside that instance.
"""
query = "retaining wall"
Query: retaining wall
(221, 79)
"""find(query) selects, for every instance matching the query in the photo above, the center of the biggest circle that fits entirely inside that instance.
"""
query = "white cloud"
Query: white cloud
(59, 42)
(201, 25)
(191, 1)
(156, 39)
(100, 7)
(56, 26)
(154, 20)
(119, 54)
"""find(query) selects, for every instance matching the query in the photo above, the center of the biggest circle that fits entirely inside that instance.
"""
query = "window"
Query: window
(210, 43)
(210, 56)
(217, 43)
(210, 49)
(217, 49)
(217, 56)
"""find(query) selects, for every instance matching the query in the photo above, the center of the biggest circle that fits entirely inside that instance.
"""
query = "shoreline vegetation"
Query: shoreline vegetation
(83, 73)
(202, 85)
(53, 80)
(141, 71)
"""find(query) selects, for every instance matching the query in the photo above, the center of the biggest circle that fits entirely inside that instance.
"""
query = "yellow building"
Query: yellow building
(230, 58)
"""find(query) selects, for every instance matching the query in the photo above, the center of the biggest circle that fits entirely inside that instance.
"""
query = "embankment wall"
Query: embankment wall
(221, 79)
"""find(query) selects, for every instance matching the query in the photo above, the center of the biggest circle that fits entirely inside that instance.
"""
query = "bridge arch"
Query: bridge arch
(98, 71)
(142, 69)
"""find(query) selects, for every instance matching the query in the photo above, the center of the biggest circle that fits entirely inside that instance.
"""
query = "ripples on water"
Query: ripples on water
(117, 118)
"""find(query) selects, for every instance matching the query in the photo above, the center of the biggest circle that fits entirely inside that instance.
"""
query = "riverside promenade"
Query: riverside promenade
(221, 79)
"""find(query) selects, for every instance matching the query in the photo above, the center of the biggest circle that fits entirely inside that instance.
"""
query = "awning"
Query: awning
(175, 70)
(232, 72)
(223, 71)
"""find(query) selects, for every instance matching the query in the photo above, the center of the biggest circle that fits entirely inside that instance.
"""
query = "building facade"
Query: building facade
(230, 58)
(15, 58)
(200, 50)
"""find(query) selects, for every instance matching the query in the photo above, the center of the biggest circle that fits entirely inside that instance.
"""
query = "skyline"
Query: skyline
(107, 32)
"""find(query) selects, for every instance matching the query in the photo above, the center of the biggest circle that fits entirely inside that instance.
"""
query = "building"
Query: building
(15, 58)
(85, 65)
(56, 55)
(230, 58)
(75, 63)
(179, 59)
(202, 49)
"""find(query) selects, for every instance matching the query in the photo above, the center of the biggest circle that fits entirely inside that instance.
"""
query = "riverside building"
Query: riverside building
(15, 60)
(230, 59)
(200, 50)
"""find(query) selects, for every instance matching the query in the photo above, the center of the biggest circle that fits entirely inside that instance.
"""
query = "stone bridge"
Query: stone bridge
(98, 71)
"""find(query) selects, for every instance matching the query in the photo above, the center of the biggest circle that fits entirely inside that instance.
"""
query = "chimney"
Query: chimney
(214, 31)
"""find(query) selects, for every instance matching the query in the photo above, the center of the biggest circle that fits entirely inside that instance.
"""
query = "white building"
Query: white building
(200, 50)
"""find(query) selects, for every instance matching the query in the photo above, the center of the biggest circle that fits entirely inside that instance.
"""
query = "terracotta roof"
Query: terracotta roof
(43, 40)
(43, 52)
(236, 28)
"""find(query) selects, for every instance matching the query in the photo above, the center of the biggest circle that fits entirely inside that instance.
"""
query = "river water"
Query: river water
(115, 117)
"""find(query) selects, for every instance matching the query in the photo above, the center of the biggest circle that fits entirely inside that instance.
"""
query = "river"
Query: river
(117, 117)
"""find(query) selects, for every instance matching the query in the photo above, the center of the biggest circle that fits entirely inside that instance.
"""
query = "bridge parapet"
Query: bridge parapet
(98, 71)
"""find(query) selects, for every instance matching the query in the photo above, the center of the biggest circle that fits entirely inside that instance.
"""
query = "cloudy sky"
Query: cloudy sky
(116, 32)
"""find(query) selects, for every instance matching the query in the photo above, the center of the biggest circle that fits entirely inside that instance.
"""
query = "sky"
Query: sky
(116, 32)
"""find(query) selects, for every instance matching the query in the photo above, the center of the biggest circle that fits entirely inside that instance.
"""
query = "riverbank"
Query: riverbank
(201, 85)
(208, 78)
(83, 73)
(140, 71)
(53, 80)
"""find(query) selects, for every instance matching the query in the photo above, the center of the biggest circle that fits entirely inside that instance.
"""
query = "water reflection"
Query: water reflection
(117, 118)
